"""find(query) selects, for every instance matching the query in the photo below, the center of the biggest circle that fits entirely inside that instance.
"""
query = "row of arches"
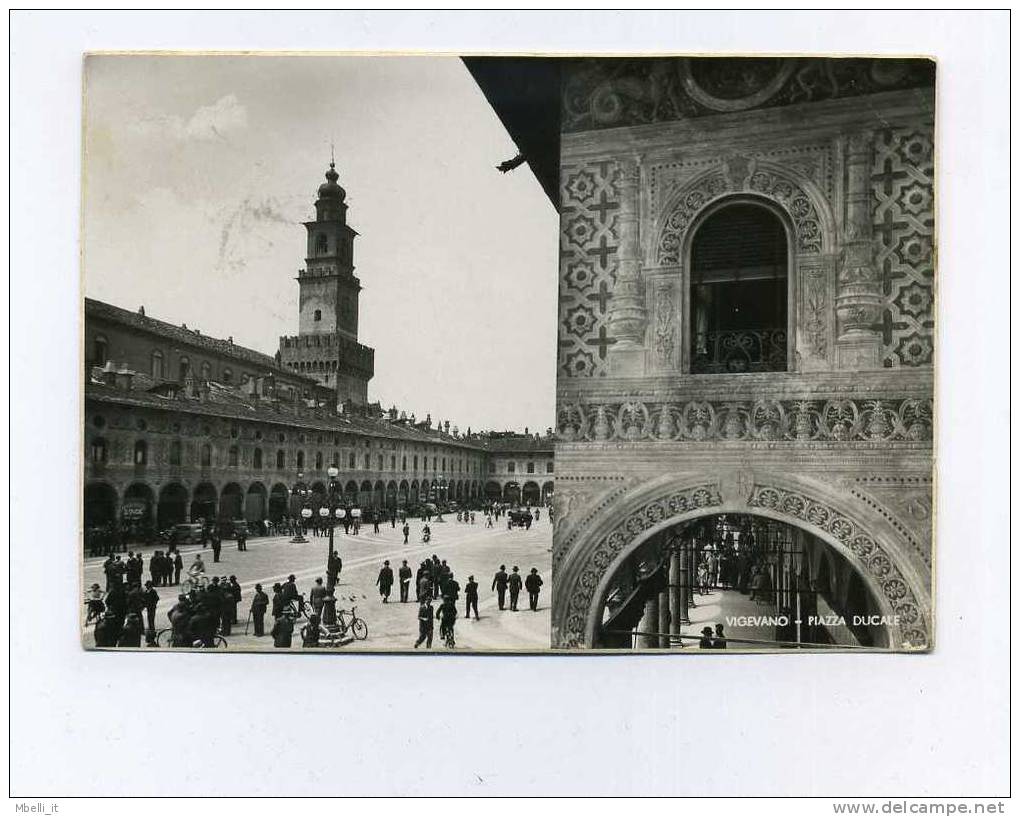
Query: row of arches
(173, 503)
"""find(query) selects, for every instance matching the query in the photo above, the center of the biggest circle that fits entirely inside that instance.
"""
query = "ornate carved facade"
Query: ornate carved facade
(799, 419)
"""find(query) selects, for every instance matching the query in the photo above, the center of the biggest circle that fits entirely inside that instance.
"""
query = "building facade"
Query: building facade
(746, 336)
(181, 426)
(520, 468)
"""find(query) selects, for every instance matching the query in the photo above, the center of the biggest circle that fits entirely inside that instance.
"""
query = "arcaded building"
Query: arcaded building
(180, 425)
(746, 343)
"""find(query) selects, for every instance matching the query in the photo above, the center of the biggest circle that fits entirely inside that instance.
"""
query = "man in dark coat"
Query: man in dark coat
(291, 595)
(180, 622)
(278, 602)
(385, 581)
(242, 541)
(151, 600)
(235, 590)
(283, 631)
(533, 584)
(515, 587)
(334, 564)
(217, 544)
(116, 602)
(426, 623)
(471, 594)
(131, 632)
(406, 530)
(405, 580)
(499, 583)
(178, 566)
(227, 605)
(259, 603)
(107, 630)
(136, 599)
(212, 599)
(202, 626)
(447, 615)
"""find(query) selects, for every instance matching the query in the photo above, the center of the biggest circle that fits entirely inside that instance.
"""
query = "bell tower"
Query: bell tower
(326, 346)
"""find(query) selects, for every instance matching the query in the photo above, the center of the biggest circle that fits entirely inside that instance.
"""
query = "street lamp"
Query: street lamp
(301, 491)
(338, 513)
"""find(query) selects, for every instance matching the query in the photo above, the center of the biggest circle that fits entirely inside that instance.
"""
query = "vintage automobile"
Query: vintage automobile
(187, 533)
(520, 516)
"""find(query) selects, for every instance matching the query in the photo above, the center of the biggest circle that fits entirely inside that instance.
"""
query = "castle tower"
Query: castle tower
(326, 346)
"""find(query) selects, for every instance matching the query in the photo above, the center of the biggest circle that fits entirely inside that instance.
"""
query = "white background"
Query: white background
(249, 725)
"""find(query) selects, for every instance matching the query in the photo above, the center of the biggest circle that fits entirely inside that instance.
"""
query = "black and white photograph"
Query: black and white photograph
(318, 375)
(746, 354)
(509, 405)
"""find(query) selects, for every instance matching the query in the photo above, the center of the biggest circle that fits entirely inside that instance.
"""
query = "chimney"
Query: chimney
(123, 378)
(141, 311)
(446, 427)
(109, 374)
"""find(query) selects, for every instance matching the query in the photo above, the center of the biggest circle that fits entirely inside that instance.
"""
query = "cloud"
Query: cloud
(212, 121)
(206, 123)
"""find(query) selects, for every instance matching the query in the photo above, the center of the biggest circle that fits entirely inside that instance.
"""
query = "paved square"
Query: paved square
(468, 549)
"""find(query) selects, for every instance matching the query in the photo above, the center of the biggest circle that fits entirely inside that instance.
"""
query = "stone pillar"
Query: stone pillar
(859, 294)
(664, 619)
(627, 313)
(649, 624)
(676, 609)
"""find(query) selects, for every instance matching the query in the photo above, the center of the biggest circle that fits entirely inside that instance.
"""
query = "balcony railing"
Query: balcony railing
(730, 352)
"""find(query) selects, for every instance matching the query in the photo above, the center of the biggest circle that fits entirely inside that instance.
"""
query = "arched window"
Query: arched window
(256, 459)
(738, 297)
(393, 462)
(318, 314)
(321, 244)
(183, 367)
(403, 463)
(549, 467)
(141, 452)
(511, 467)
(206, 455)
(232, 457)
(415, 462)
(206, 370)
(99, 450)
(492, 468)
(175, 452)
(379, 462)
(100, 350)
(300, 460)
(531, 468)
(318, 460)
(157, 365)
(281, 460)
(368, 461)
(227, 375)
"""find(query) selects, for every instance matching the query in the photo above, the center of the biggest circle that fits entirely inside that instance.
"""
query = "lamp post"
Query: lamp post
(334, 513)
(440, 498)
(303, 492)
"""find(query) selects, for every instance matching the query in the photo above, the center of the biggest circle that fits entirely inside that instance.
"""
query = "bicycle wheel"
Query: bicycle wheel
(360, 629)
(164, 638)
(220, 643)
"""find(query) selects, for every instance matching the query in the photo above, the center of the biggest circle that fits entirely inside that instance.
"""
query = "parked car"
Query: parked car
(187, 533)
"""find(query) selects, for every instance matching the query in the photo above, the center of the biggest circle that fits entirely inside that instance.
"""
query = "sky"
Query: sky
(200, 170)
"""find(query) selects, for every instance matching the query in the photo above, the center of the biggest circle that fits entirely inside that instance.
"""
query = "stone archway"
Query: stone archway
(591, 557)
(173, 505)
(531, 494)
(279, 498)
(100, 504)
(255, 503)
(203, 502)
(231, 501)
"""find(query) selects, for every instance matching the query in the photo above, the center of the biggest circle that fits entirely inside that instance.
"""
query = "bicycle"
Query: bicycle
(95, 611)
(164, 638)
(357, 626)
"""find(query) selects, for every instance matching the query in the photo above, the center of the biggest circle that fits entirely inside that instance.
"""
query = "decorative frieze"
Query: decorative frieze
(805, 421)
